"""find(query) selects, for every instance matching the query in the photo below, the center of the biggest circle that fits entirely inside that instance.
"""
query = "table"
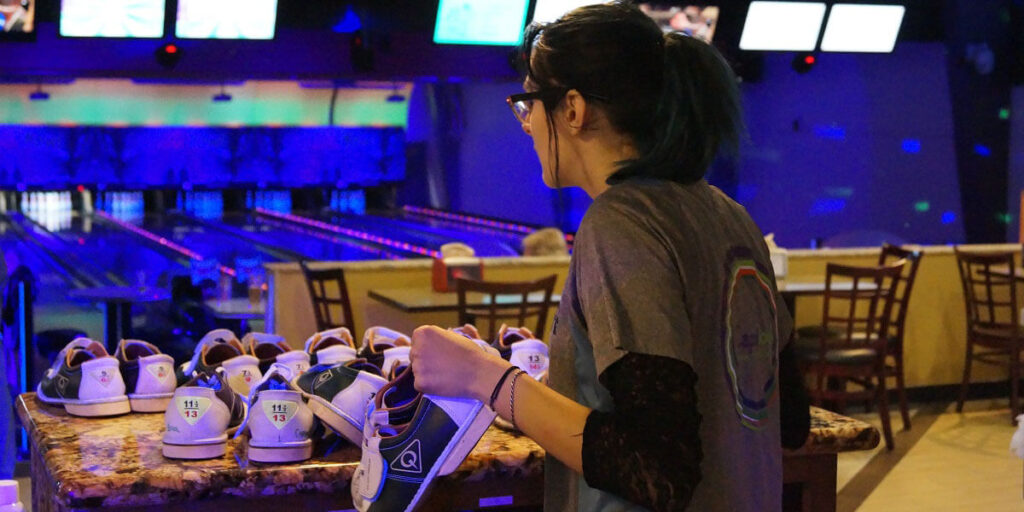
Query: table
(117, 305)
(238, 309)
(426, 300)
(790, 290)
(116, 463)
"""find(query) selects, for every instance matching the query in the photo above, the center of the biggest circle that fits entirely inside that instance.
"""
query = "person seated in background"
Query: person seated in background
(545, 242)
(457, 250)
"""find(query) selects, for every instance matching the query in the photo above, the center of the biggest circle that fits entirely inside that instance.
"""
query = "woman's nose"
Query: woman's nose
(526, 127)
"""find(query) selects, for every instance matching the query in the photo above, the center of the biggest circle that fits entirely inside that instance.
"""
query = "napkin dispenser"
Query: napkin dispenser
(446, 270)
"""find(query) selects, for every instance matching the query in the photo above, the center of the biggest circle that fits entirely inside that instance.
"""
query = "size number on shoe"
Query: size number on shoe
(279, 412)
(192, 408)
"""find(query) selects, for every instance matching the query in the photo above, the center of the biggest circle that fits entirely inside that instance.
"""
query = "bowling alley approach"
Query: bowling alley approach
(511, 255)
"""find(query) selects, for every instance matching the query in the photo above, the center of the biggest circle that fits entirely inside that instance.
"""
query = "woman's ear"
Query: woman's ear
(574, 112)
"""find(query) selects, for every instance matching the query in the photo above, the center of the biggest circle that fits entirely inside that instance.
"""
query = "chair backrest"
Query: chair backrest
(329, 295)
(905, 283)
(858, 304)
(505, 301)
(990, 290)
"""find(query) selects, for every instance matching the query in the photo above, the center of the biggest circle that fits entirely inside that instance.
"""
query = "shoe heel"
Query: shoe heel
(195, 451)
(149, 404)
(101, 409)
(283, 454)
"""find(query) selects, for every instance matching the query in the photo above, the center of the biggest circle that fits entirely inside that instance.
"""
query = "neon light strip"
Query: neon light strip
(469, 219)
(162, 241)
(337, 240)
(508, 226)
(362, 235)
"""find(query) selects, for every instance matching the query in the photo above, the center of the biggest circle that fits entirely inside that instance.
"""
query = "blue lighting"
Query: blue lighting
(832, 132)
(349, 23)
(827, 205)
(911, 145)
(982, 150)
(948, 217)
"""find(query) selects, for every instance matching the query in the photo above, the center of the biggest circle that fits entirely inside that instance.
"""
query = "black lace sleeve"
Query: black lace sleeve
(648, 450)
(794, 404)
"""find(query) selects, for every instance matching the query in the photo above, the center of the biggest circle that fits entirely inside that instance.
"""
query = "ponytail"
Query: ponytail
(673, 95)
(697, 114)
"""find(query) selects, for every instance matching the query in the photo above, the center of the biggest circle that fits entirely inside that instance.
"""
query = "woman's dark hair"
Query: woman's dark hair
(673, 95)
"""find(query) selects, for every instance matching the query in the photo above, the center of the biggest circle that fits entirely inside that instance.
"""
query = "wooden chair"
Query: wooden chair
(898, 320)
(497, 309)
(328, 299)
(993, 318)
(852, 344)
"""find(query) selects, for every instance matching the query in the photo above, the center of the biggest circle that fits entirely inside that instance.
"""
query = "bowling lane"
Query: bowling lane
(508, 238)
(432, 237)
(303, 242)
(206, 239)
(118, 257)
(54, 282)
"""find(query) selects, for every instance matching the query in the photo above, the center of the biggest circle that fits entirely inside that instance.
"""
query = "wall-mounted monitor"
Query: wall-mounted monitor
(547, 11)
(112, 18)
(226, 19)
(862, 28)
(17, 20)
(782, 26)
(490, 22)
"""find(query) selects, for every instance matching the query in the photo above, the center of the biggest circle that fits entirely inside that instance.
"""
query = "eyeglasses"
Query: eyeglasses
(521, 104)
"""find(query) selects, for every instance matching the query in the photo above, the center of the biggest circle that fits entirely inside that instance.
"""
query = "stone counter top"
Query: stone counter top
(117, 462)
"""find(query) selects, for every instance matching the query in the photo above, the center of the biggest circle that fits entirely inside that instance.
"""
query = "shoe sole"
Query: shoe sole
(113, 408)
(195, 451)
(483, 420)
(281, 454)
(150, 404)
(338, 421)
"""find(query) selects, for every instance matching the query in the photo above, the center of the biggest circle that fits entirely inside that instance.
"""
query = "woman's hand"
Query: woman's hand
(448, 364)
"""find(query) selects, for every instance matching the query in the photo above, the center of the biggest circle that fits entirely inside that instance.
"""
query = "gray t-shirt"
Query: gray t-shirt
(679, 271)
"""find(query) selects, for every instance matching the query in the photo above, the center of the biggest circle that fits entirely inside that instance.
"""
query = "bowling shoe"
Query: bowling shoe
(271, 348)
(385, 348)
(200, 416)
(330, 347)
(85, 380)
(148, 375)
(338, 394)
(220, 348)
(279, 422)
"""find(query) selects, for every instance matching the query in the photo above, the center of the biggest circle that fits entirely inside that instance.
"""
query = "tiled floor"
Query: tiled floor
(960, 462)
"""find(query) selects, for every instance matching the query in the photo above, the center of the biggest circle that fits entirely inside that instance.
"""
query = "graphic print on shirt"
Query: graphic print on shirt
(750, 344)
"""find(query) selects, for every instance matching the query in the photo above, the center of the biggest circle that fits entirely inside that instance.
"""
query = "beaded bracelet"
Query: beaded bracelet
(497, 387)
(512, 399)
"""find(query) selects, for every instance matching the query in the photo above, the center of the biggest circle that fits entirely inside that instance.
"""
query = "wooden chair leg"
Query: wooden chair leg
(966, 380)
(883, 410)
(1014, 385)
(902, 390)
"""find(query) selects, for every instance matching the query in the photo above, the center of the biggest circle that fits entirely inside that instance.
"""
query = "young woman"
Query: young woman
(666, 371)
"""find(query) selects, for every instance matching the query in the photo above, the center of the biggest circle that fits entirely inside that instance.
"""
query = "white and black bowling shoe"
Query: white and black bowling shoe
(148, 375)
(85, 380)
(385, 348)
(200, 416)
(271, 348)
(400, 463)
(338, 394)
(331, 347)
(279, 423)
(220, 348)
